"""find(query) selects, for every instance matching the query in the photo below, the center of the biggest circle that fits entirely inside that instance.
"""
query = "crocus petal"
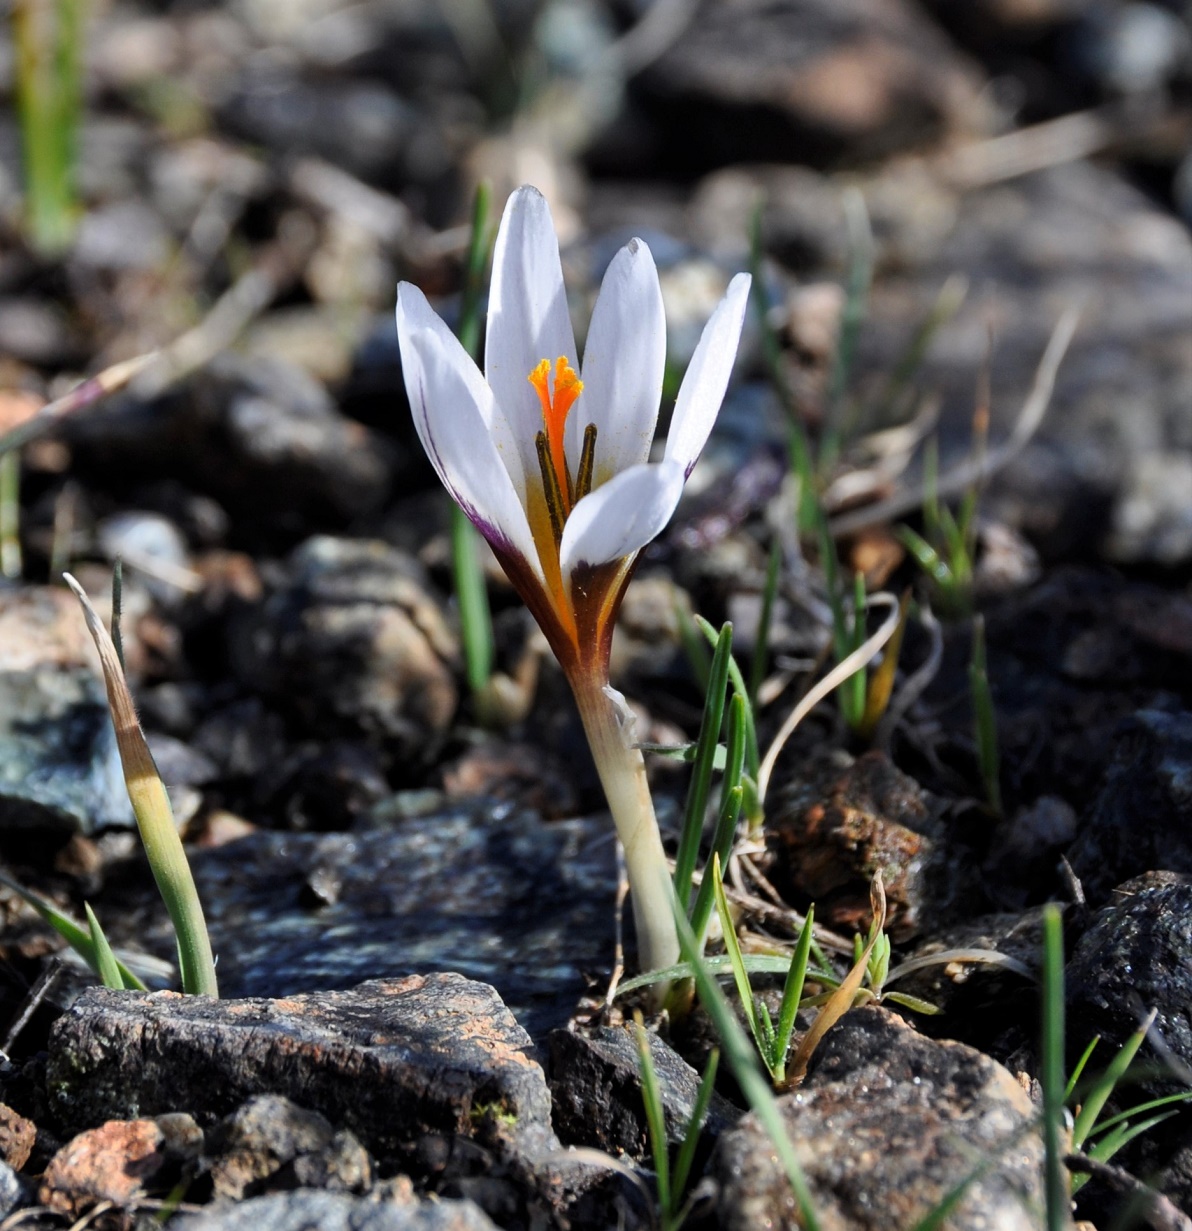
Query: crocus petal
(624, 360)
(706, 379)
(621, 517)
(528, 319)
(454, 415)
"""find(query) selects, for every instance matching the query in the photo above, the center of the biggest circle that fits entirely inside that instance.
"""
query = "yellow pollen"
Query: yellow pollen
(567, 388)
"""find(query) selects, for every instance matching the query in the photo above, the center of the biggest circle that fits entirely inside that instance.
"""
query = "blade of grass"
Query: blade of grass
(1085, 1056)
(841, 1000)
(1094, 1102)
(698, 653)
(655, 1118)
(703, 1098)
(742, 1060)
(726, 821)
(475, 614)
(860, 274)
(155, 818)
(105, 959)
(761, 647)
(75, 935)
(733, 948)
(792, 993)
(10, 515)
(740, 690)
(700, 786)
(1051, 1070)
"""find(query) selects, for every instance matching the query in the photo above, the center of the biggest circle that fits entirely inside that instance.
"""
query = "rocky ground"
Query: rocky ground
(415, 914)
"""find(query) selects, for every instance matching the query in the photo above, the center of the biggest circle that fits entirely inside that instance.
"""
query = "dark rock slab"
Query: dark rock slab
(392, 1061)
(491, 892)
(1142, 817)
(1136, 956)
(595, 1086)
(805, 81)
(306, 1208)
(886, 1124)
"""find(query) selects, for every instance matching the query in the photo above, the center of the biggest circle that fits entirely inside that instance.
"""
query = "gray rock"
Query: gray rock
(595, 1081)
(59, 766)
(807, 81)
(495, 893)
(14, 1192)
(886, 1124)
(391, 1060)
(306, 1208)
(1136, 956)
(355, 639)
(261, 437)
(1150, 777)
(271, 1135)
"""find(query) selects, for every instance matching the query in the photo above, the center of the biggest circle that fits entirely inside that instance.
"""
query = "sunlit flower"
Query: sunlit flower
(550, 459)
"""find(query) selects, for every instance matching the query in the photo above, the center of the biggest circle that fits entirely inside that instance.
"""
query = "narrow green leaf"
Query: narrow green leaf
(75, 935)
(742, 1060)
(105, 960)
(1183, 1097)
(792, 990)
(1051, 1070)
(700, 786)
(691, 1136)
(761, 647)
(1094, 1102)
(926, 556)
(655, 1117)
(732, 947)
(752, 758)
(698, 655)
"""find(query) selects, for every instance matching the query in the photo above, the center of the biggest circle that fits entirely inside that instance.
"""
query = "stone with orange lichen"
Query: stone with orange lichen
(109, 1163)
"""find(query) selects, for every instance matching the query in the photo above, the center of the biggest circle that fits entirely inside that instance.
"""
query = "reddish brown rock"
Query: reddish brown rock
(17, 1136)
(109, 1163)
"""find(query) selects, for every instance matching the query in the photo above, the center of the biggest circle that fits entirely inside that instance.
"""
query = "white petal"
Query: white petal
(622, 516)
(707, 375)
(527, 316)
(454, 414)
(623, 365)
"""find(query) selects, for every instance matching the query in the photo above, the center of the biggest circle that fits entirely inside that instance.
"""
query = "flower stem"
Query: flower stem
(623, 775)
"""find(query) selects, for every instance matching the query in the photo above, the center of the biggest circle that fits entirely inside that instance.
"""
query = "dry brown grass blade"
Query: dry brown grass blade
(841, 1000)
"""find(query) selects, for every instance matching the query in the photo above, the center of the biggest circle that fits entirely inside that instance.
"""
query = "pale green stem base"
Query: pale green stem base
(623, 775)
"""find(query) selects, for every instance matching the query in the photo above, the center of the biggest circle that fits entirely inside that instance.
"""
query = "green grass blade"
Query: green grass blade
(739, 688)
(761, 647)
(475, 614)
(1086, 1055)
(1051, 1070)
(699, 656)
(655, 1118)
(105, 960)
(792, 992)
(927, 558)
(10, 515)
(742, 1060)
(1094, 1102)
(732, 947)
(700, 787)
(1149, 1105)
(75, 935)
(703, 1099)
(860, 274)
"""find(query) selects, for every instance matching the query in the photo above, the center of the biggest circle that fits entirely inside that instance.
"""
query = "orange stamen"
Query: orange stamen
(567, 388)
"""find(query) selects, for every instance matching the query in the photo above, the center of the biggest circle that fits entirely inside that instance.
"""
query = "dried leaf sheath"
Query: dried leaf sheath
(155, 817)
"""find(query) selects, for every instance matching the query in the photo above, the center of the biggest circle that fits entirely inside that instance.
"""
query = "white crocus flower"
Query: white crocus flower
(550, 461)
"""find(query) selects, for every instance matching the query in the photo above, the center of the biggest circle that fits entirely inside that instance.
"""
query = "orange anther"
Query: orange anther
(555, 405)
